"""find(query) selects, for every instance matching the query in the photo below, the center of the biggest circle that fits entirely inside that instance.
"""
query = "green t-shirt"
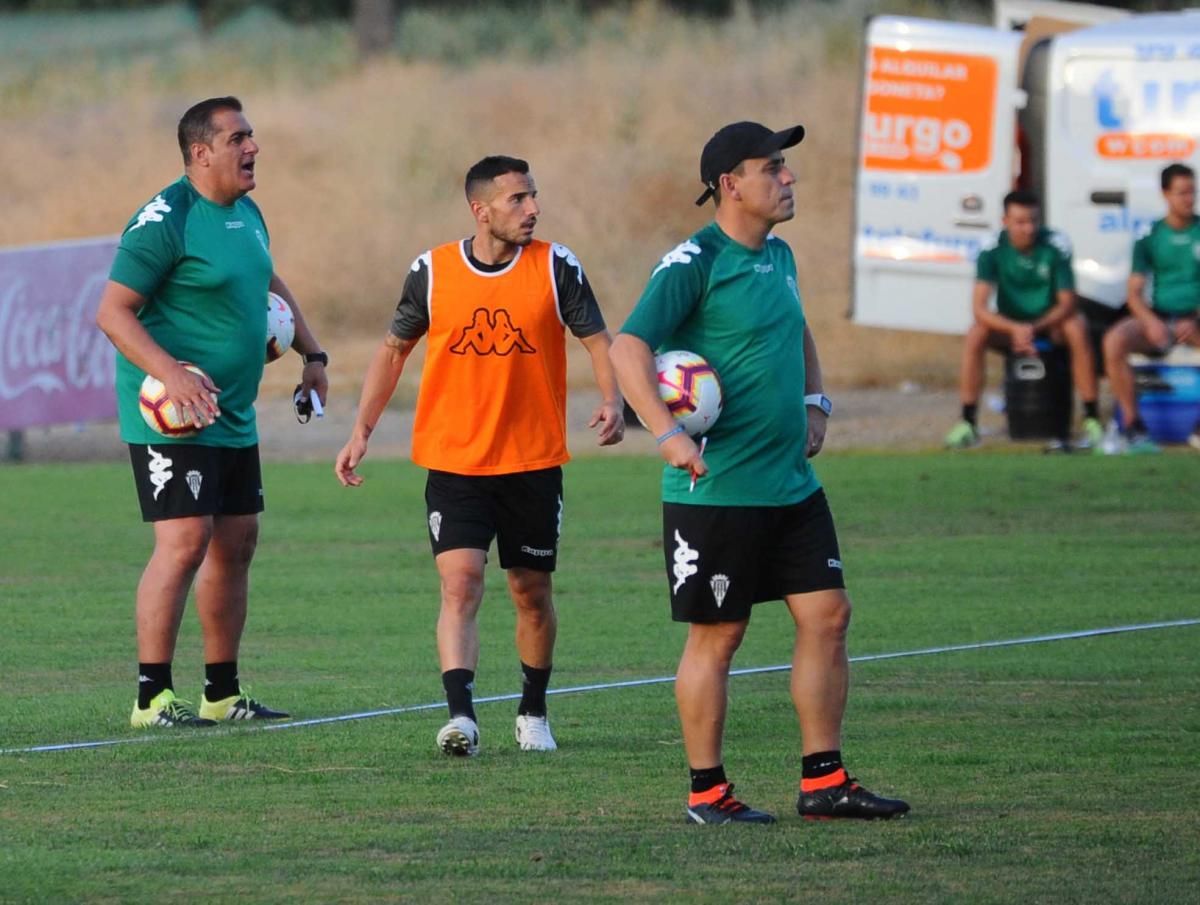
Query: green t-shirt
(1027, 283)
(204, 270)
(740, 309)
(1172, 258)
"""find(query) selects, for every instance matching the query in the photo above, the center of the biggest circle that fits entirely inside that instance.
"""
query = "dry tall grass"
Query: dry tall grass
(362, 172)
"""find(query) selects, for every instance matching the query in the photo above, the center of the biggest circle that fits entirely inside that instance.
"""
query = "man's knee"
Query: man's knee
(237, 539)
(462, 588)
(715, 642)
(531, 593)
(182, 542)
(824, 612)
(977, 340)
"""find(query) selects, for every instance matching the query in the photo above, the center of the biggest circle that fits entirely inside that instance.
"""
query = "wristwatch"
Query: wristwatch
(315, 357)
(821, 401)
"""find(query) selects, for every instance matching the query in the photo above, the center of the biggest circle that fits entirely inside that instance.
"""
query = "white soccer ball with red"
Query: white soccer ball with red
(160, 412)
(281, 326)
(690, 387)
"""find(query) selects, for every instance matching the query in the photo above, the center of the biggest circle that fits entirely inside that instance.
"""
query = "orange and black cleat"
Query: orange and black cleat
(848, 800)
(718, 805)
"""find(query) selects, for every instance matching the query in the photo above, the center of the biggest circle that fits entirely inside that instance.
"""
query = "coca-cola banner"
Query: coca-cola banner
(56, 367)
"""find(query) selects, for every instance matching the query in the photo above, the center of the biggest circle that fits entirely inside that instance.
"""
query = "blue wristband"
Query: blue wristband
(662, 438)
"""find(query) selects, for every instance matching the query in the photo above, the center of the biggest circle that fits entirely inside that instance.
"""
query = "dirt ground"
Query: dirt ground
(904, 418)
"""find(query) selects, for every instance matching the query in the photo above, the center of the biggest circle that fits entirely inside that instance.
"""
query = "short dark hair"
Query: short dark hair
(490, 168)
(196, 125)
(1180, 170)
(1023, 197)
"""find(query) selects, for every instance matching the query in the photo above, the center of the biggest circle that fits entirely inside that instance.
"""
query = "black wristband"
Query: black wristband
(316, 358)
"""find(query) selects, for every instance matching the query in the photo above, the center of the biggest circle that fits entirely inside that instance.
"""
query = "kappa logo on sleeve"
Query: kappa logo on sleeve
(569, 256)
(152, 212)
(680, 254)
(491, 334)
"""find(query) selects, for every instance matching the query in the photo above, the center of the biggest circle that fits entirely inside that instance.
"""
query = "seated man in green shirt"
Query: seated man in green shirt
(1169, 253)
(1029, 269)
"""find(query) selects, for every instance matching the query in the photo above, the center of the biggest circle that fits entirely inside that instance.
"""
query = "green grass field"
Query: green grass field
(1053, 772)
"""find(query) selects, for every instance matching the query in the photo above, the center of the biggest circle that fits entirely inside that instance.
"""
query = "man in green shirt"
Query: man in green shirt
(1169, 254)
(1029, 271)
(189, 283)
(757, 525)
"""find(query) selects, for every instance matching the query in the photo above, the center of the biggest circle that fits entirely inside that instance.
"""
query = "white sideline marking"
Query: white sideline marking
(603, 686)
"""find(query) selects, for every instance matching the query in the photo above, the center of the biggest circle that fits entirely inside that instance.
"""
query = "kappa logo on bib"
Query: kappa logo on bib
(491, 334)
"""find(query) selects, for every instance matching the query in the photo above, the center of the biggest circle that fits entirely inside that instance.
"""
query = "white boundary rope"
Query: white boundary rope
(606, 686)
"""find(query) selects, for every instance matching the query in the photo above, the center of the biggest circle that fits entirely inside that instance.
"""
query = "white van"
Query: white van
(955, 115)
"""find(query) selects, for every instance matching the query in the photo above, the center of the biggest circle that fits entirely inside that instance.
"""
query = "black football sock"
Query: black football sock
(1091, 410)
(708, 778)
(459, 685)
(970, 413)
(152, 678)
(221, 681)
(820, 770)
(533, 690)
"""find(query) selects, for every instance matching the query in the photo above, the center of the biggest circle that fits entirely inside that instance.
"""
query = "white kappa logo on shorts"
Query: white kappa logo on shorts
(194, 479)
(833, 563)
(435, 525)
(685, 556)
(160, 470)
(720, 587)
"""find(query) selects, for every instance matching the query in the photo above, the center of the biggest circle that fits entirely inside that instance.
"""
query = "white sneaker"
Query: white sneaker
(533, 734)
(459, 737)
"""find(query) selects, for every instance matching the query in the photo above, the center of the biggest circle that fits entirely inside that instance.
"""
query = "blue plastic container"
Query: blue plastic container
(1168, 400)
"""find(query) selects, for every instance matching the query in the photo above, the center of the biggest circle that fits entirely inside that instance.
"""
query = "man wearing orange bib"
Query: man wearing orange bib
(491, 426)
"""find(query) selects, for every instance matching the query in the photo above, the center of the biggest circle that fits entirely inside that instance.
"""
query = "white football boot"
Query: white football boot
(459, 737)
(533, 734)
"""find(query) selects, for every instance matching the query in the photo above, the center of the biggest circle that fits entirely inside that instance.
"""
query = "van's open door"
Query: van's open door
(936, 156)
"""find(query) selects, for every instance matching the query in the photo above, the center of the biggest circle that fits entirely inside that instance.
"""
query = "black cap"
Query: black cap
(737, 142)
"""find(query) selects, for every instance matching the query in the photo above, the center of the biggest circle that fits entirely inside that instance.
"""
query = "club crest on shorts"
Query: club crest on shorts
(194, 479)
(435, 525)
(720, 587)
(685, 558)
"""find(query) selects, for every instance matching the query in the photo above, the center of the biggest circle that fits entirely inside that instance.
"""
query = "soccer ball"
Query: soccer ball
(159, 411)
(690, 387)
(281, 326)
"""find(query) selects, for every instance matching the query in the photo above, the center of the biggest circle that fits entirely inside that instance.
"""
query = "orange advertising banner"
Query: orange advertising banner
(928, 111)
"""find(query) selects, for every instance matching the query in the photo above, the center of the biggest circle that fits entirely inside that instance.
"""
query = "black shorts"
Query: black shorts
(180, 480)
(721, 560)
(522, 511)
